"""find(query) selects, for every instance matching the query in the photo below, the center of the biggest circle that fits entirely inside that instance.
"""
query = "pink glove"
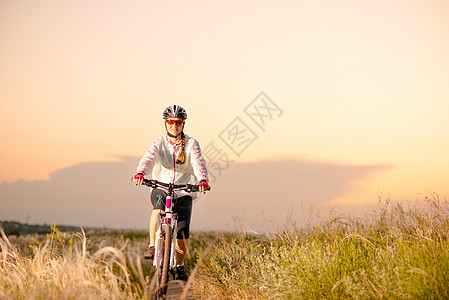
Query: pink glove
(138, 176)
(204, 183)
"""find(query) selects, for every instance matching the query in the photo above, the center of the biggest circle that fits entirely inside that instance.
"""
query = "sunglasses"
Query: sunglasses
(177, 122)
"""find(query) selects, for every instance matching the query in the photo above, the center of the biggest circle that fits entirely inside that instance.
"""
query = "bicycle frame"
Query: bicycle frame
(169, 218)
(166, 232)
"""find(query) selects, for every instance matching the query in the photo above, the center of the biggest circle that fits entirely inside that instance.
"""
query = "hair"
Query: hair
(182, 156)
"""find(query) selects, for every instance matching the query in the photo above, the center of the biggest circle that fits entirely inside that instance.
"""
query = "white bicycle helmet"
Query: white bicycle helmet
(174, 111)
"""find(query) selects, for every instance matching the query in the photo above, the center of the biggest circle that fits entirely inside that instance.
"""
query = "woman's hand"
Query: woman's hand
(203, 186)
(138, 179)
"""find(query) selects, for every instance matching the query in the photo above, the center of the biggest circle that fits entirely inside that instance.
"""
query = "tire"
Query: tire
(163, 259)
(159, 257)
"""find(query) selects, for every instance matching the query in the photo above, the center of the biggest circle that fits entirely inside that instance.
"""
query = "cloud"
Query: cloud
(89, 194)
(263, 192)
(101, 194)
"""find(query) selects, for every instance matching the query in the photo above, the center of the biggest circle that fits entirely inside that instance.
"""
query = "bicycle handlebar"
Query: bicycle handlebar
(191, 188)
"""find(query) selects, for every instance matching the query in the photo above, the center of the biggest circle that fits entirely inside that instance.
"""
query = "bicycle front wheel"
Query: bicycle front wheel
(163, 258)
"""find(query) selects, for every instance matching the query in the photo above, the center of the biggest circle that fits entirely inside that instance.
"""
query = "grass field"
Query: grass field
(394, 253)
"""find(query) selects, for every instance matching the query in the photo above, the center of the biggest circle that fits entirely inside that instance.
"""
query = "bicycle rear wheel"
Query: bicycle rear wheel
(163, 259)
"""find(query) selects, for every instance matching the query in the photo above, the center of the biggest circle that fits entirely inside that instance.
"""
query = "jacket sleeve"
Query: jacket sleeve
(146, 164)
(198, 163)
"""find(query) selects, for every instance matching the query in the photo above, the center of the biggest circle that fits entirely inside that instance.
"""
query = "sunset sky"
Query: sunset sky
(354, 83)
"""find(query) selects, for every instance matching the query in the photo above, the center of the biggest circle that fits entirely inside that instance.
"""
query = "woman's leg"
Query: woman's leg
(153, 225)
(182, 246)
(157, 198)
(149, 251)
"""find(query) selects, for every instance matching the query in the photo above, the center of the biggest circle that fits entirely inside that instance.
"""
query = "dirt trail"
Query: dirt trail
(175, 291)
(176, 288)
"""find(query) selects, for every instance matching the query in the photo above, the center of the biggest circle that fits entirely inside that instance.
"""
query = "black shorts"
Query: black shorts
(182, 206)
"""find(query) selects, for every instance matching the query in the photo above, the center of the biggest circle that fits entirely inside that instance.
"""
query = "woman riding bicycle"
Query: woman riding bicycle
(173, 158)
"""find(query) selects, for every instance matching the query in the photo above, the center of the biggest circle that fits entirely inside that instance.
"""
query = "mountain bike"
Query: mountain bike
(165, 242)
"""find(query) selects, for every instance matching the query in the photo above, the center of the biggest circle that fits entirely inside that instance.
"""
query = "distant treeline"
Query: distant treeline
(16, 228)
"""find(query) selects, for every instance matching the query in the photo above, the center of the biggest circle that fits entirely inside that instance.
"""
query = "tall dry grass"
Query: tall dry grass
(97, 265)
(397, 252)
(62, 266)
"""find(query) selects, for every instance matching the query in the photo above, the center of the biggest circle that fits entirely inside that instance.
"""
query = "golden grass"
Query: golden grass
(64, 267)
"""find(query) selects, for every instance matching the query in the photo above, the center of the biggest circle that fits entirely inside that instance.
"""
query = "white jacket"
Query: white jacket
(160, 161)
